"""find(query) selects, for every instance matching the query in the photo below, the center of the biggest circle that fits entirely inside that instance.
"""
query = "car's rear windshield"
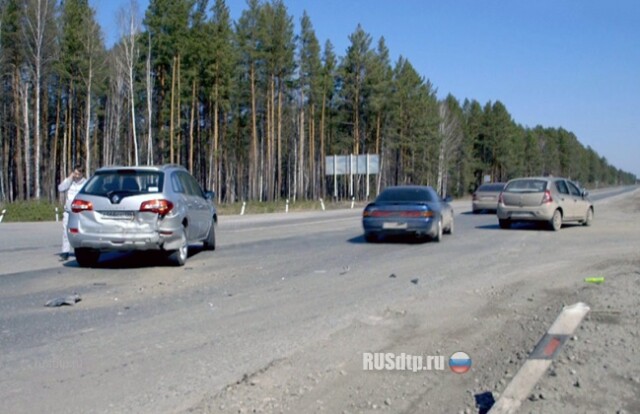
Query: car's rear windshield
(526, 186)
(496, 187)
(129, 181)
(405, 195)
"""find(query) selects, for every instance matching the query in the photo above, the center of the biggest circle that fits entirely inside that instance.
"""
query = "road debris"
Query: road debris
(69, 300)
(595, 280)
(415, 281)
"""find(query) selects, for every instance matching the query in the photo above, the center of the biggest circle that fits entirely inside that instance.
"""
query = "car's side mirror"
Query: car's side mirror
(585, 193)
(210, 195)
(448, 199)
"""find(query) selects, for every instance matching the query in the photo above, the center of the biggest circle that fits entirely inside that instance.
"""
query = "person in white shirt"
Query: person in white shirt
(71, 185)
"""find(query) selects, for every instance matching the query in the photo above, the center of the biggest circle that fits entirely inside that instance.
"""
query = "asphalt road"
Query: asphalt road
(148, 337)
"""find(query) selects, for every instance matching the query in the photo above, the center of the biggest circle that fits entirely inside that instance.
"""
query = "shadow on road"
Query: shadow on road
(133, 260)
(479, 213)
(526, 226)
(394, 239)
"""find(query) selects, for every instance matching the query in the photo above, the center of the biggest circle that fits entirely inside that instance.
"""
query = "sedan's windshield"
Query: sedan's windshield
(104, 183)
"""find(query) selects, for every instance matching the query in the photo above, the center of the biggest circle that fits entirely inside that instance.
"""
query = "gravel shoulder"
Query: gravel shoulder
(496, 317)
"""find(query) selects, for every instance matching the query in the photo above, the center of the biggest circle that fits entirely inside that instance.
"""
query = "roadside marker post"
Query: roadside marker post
(57, 217)
(540, 359)
(2, 215)
(286, 207)
(322, 204)
(244, 204)
(353, 202)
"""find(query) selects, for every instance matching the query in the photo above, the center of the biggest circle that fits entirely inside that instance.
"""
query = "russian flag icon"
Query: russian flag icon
(460, 363)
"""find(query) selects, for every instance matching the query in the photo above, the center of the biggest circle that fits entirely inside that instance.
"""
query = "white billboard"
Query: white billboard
(352, 164)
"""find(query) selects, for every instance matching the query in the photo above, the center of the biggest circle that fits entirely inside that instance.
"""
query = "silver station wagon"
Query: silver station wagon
(141, 208)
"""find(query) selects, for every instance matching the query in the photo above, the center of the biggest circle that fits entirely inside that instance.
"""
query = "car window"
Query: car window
(526, 186)
(176, 184)
(491, 187)
(574, 189)
(190, 185)
(129, 181)
(561, 186)
(412, 194)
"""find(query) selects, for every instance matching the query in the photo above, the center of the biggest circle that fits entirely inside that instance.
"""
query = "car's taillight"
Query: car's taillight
(501, 199)
(547, 197)
(427, 213)
(78, 206)
(161, 207)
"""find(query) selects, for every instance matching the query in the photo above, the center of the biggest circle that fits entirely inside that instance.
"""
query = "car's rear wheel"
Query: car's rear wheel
(589, 218)
(87, 257)
(439, 232)
(179, 257)
(450, 228)
(556, 221)
(210, 242)
(504, 223)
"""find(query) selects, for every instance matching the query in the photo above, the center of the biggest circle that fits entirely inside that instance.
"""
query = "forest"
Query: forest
(250, 107)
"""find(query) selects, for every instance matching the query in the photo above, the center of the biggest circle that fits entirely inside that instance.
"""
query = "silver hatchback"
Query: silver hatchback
(141, 208)
(552, 200)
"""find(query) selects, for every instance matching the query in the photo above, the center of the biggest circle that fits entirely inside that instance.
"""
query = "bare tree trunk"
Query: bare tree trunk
(312, 153)
(191, 124)
(149, 107)
(171, 124)
(300, 157)
(253, 156)
(323, 154)
(179, 115)
(129, 28)
(37, 12)
(27, 138)
(133, 113)
(268, 171)
(37, 134)
(216, 159)
(279, 159)
(64, 171)
(88, 119)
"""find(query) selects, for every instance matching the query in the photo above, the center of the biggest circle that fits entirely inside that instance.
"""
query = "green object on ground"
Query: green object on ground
(596, 280)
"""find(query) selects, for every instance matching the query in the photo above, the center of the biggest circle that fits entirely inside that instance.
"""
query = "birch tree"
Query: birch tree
(38, 17)
(450, 135)
(129, 22)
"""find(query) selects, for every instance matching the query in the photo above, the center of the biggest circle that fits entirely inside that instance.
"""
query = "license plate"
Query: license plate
(394, 226)
(118, 215)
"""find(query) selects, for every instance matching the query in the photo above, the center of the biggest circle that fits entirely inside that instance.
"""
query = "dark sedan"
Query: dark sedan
(408, 210)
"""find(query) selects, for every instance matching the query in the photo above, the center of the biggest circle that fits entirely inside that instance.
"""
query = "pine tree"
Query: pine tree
(309, 84)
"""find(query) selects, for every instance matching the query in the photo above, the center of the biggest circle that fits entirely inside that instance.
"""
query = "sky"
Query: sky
(573, 64)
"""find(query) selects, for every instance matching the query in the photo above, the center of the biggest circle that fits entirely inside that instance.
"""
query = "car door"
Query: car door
(183, 197)
(565, 201)
(199, 206)
(580, 204)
